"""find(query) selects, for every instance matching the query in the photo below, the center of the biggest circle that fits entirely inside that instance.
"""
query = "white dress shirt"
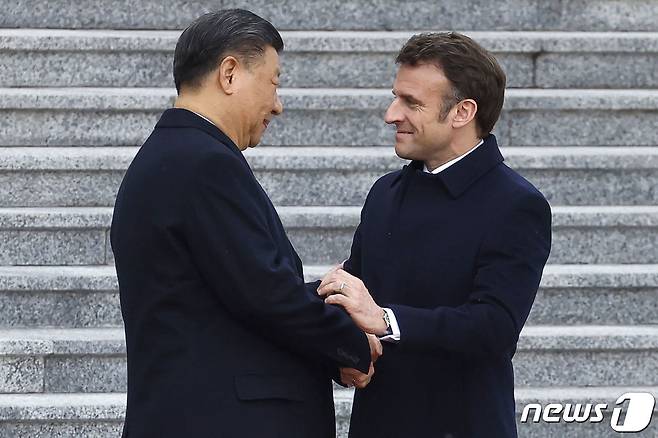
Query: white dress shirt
(203, 117)
(395, 328)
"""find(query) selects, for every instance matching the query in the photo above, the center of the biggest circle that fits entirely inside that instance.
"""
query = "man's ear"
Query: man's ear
(465, 112)
(226, 74)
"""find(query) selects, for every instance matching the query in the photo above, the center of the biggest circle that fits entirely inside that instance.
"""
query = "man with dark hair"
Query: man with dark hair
(448, 256)
(223, 337)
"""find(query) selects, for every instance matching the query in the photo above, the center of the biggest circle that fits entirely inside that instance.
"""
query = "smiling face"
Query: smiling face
(258, 98)
(424, 133)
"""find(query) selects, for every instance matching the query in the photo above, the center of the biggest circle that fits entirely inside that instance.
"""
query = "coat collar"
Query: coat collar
(461, 175)
(183, 118)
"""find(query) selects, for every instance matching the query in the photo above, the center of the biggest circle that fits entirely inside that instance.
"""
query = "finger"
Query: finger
(362, 382)
(340, 300)
(376, 348)
(328, 278)
(357, 378)
(330, 288)
(335, 287)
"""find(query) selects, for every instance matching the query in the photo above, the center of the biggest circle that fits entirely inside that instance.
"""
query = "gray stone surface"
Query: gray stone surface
(591, 368)
(572, 245)
(333, 41)
(109, 255)
(608, 14)
(56, 341)
(600, 70)
(85, 374)
(570, 127)
(58, 278)
(94, 359)
(589, 338)
(326, 59)
(622, 305)
(87, 429)
(79, 247)
(345, 117)
(323, 235)
(21, 374)
(59, 188)
(60, 309)
(55, 218)
(77, 128)
(93, 69)
(87, 297)
(79, 176)
(153, 69)
(62, 407)
(353, 14)
(587, 356)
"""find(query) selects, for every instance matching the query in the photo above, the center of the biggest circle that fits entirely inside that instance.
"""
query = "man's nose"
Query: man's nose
(393, 113)
(278, 106)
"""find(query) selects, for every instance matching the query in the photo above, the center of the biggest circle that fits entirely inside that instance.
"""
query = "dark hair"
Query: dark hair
(215, 35)
(473, 72)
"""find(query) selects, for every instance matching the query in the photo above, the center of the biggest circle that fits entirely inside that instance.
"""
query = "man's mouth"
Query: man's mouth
(266, 122)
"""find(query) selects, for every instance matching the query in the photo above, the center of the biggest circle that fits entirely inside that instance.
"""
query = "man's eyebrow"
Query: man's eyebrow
(406, 96)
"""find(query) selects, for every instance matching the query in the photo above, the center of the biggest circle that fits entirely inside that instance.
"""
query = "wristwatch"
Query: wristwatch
(387, 320)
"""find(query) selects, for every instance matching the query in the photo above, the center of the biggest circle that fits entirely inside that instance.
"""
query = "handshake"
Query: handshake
(341, 288)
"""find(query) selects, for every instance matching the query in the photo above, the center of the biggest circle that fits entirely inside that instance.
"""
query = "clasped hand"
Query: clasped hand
(341, 288)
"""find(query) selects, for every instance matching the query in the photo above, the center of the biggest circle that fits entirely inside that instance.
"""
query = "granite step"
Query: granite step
(101, 415)
(87, 296)
(93, 360)
(323, 235)
(626, 15)
(90, 176)
(326, 117)
(111, 58)
(62, 415)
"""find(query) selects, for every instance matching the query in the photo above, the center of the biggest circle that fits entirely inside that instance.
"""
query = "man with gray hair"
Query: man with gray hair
(224, 338)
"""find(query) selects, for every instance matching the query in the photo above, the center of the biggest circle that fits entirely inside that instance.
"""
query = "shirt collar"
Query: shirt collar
(184, 118)
(203, 117)
(457, 178)
(451, 162)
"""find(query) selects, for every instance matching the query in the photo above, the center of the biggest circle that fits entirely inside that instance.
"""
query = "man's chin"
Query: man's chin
(402, 151)
(253, 142)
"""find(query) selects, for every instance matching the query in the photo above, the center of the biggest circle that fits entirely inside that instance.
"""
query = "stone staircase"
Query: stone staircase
(82, 84)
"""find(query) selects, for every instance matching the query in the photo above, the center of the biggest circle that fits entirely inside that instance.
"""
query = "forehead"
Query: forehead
(421, 79)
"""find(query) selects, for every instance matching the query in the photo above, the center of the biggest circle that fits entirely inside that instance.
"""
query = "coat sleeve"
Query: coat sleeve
(509, 267)
(242, 262)
(353, 263)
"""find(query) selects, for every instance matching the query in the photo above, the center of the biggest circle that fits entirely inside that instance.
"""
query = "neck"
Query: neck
(214, 113)
(456, 148)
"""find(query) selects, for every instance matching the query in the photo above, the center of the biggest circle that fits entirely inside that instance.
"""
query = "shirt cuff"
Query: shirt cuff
(395, 328)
